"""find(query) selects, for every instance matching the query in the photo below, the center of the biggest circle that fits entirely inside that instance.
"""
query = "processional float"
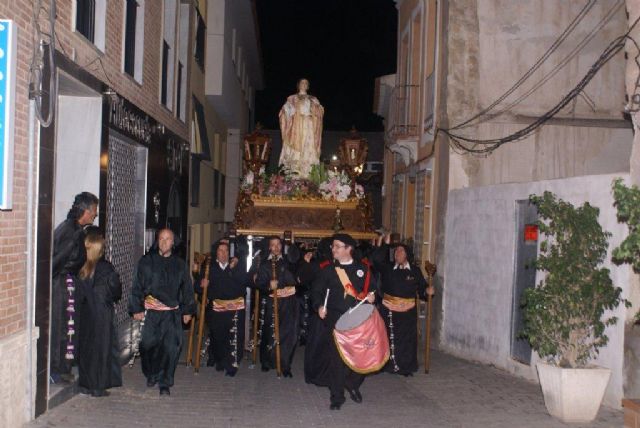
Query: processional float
(295, 209)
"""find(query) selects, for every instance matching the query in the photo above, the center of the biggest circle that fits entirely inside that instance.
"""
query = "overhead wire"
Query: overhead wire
(488, 145)
(554, 46)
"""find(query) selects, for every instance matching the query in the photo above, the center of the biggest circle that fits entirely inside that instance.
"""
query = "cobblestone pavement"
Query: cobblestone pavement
(456, 393)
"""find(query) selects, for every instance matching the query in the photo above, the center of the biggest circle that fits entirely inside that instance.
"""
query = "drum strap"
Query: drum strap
(349, 288)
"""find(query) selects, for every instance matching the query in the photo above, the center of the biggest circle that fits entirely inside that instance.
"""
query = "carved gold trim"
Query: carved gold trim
(269, 201)
(306, 233)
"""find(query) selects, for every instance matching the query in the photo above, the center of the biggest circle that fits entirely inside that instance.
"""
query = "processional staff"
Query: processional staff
(203, 306)
(431, 271)
(276, 315)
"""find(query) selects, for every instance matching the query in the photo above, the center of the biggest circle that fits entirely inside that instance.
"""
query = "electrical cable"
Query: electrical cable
(459, 142)
(37, 63)
(554, 46)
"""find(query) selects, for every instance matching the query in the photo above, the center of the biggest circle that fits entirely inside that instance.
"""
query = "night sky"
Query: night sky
(341, 46)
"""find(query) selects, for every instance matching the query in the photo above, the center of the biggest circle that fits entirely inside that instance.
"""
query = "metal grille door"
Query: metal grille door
(121, 219)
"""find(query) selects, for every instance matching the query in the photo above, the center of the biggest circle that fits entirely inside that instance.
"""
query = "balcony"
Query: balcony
(404, 113)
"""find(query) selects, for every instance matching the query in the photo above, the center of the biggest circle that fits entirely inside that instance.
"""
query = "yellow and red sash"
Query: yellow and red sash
(153, 304)
(220, 305)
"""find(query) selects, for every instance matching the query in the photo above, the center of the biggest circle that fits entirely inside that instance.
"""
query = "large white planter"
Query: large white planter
(573, 395)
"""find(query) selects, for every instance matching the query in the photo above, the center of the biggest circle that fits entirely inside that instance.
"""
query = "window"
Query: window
(216, 188)
(201, 32)
(222, 189)
(195, 180)
(133, 38)
(183, 61)
(167, 74)
(86, 18)
(179, 94)
(90, 20)
(201, 137)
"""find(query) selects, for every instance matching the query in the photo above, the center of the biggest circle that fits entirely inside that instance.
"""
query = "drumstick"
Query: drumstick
(326, 298)
(361, 302)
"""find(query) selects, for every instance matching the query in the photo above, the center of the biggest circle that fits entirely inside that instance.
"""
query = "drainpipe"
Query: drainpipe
(31, 257)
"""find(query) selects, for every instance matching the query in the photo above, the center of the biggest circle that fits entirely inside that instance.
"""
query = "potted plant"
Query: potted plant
(563, 315)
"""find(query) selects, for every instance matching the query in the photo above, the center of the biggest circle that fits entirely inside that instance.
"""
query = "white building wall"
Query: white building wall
(479, 271)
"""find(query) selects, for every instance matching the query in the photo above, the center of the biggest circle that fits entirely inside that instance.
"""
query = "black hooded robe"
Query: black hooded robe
(168, 280)
(69, 255)
(226, 327)
(98, 363)
(401, 325)
(288, 313)
(340, 375)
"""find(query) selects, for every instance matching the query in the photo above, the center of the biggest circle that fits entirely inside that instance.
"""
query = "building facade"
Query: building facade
(102, 108)
(499, 67)
(223, 80)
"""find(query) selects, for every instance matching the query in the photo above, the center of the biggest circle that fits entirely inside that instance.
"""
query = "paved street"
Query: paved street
(455, 394)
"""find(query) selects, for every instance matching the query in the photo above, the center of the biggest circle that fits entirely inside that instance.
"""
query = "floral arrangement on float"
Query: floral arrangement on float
(322, 184)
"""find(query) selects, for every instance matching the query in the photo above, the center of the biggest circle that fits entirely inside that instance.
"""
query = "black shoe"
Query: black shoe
(164, 390)
(231, 373)
(287, 373)
(99, 393)
(335, 406)
(265, 369)
(210, 364)
(151, 383)
(355, 395)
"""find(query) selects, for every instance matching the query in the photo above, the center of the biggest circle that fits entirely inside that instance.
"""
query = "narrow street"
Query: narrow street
(456, 393)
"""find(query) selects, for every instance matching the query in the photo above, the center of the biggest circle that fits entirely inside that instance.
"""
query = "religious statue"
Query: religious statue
(301, 128)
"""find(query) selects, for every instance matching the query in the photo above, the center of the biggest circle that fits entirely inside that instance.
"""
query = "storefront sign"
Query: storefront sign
(8, 47)
(128, 121)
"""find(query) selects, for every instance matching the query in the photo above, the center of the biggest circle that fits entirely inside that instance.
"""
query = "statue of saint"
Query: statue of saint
(301, 128)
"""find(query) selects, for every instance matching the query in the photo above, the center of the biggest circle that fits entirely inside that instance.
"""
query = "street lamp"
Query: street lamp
(353, 153)
(257, 147)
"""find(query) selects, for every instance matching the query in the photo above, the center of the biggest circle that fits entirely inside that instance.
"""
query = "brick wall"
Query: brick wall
(107, 69)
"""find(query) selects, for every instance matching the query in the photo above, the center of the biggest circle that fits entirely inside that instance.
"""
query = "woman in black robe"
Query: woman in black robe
(98, 288)
(400, 282)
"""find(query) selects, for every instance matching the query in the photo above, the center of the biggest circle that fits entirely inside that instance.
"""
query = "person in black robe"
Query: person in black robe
(225, 312)
(98, 288)
(162, 295)
(400, 285)
(316, 351)
(69, 255)
(341, 299)
(285, 284)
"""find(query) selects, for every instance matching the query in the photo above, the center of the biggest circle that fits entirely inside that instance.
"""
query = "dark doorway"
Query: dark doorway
(524, 274)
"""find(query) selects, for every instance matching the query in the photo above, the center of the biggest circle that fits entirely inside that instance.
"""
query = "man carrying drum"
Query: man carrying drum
(336, 291)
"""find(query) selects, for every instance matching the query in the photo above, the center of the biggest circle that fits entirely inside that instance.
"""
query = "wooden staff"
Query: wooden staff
(431, 270)
(192, 324)
(256, 314)
(203, 306)
(276, 317)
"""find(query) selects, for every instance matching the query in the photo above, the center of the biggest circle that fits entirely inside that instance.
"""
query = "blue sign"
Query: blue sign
(8, 47)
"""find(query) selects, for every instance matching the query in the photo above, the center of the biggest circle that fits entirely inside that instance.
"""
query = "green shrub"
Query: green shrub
(563, 314)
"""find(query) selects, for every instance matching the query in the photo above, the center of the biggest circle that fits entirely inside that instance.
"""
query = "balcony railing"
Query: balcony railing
(429, 102)
(404, 111)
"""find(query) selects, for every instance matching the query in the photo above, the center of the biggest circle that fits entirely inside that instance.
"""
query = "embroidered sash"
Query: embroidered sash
(153, 304)
(220, 305)
(398, 304)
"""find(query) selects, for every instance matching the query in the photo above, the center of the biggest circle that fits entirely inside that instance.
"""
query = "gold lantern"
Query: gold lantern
(257, 148)
(352, 154)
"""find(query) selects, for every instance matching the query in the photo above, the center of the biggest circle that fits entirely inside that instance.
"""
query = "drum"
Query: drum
(361, 339)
